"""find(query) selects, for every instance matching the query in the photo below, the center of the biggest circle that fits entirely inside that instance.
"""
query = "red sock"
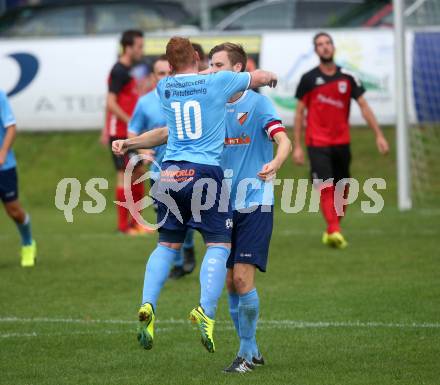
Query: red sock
(122, 211)
(138, 192)
(345, 195)
(328, 209)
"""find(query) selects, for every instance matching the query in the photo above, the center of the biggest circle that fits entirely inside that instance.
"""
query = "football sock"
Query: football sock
(345, 195)
(122, 211)
(188, 243)
(328, 209)
(178, 261)
(233, 310)
(248, 311)
(156, 273)
(25, 231)
(137, 192)
(212, 278)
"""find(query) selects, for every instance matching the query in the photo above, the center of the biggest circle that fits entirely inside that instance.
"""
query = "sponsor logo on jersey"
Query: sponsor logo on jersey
(342, 87)
(242, 139)
(328, 100)
(177, 175)
(319, 80)
(242, 117)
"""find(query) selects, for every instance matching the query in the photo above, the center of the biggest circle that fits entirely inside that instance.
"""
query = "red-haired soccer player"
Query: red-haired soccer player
(194, 107)
(326, 92)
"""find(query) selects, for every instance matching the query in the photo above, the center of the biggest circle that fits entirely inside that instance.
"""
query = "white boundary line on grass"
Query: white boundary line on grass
(262, 324)
(290, 324)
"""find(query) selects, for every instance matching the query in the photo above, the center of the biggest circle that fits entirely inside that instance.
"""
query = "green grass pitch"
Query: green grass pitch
(369, 314)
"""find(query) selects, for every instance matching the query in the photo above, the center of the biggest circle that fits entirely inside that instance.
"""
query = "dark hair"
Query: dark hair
(236, 53)
(159, 58)
(319, 34)
(199, 49)
(128, 37)
(180, 53)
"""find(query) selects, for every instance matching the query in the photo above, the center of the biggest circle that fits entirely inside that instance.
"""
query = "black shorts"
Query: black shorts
(121, 161)
(8, 185)
(330, 162)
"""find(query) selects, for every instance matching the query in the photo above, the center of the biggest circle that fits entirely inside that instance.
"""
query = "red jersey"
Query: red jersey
(121, 83)
(327, 99)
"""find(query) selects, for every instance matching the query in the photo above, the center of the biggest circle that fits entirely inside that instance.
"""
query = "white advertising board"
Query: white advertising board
(60, 83)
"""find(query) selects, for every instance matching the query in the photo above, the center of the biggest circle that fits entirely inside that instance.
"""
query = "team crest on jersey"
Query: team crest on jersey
(319, 81)
(229, 224)
(242, 117)
(342, 87)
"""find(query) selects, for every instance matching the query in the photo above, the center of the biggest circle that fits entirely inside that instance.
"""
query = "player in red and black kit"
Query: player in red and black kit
(326, 92)
(121, 100)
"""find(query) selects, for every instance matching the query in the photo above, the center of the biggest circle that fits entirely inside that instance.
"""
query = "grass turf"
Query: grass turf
(365, 315)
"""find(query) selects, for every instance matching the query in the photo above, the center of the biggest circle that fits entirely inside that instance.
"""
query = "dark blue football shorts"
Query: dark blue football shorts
(190, 195)
(251, 237)
(8, 185)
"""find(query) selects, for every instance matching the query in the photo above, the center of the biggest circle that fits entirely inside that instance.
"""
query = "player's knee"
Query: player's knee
(174, 246)
(240, 282)
(15, 212)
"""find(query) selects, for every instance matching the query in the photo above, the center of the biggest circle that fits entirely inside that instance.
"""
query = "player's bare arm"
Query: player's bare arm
(370, 118)
(114, 107)
(9, 138)
(148, 152)
(146, 140)
(261, 78)
(284, 148)
(298, 152)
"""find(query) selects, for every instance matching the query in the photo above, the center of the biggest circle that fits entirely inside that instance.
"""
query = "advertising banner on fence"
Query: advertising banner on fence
(368, 54)
(61, 83)
(57, 83)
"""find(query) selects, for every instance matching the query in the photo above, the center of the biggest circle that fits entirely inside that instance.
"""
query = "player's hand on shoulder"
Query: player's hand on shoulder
(298, 155)
(382, 145)
(118, 147)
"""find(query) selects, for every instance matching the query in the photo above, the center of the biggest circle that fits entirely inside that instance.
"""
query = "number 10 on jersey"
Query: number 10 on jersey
(192, 107)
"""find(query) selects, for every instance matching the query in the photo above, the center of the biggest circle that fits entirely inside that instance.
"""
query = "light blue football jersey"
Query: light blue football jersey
(194, 106)
(251, 122)
(6, 119)
(148, 115)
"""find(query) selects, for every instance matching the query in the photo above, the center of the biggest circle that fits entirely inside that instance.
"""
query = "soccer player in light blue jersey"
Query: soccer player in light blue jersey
(194, 106)
(9, 183)
(147, 116)
(252, 125)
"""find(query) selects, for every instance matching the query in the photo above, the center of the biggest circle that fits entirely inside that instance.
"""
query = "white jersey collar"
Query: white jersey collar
(180, 75)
